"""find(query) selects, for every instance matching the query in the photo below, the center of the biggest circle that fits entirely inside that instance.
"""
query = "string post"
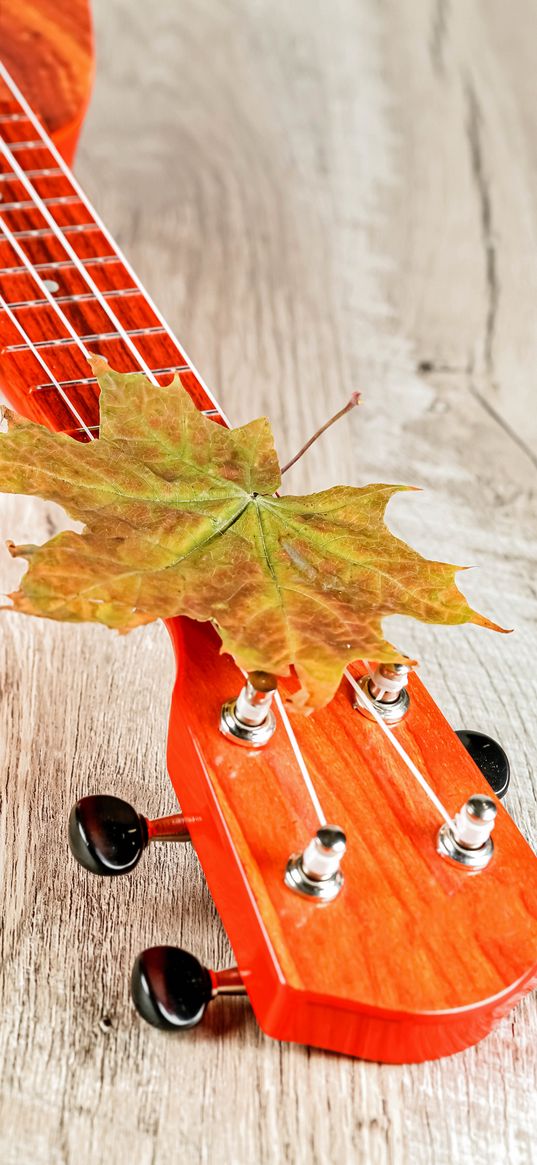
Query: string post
(316, 872)
(467, 839)
(386, 689)
(249, 720)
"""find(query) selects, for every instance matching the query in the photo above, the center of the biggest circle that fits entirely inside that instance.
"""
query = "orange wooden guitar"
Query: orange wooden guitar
(408, 928)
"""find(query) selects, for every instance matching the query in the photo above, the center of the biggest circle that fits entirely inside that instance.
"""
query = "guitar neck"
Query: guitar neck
(66, 289)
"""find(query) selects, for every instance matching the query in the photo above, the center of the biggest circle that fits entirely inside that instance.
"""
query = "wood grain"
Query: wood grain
(301, 196)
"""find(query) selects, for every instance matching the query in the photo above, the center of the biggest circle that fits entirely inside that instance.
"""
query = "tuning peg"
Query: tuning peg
(107, 836)
(467, 839)
(171, 989)
(490, 757)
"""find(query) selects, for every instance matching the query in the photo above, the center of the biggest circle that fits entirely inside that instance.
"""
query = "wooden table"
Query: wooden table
(321, 197)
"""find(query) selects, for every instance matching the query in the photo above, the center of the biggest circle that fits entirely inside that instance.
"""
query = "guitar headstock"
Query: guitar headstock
(408, 951)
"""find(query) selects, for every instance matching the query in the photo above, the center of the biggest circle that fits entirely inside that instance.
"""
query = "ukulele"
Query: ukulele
(379, 899)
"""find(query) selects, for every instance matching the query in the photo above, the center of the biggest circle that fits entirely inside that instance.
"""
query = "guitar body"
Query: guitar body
(415, 958)
(47, 45)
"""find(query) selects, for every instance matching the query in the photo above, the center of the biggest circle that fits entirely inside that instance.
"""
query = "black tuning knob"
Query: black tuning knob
(490, 757)
(108, 836)
(171, 988)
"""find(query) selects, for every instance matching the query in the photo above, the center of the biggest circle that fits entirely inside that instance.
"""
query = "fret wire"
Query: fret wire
(73, 255)
(41, 232)
(27, 204)
(44, 365)
(5, 117)
(59, 264)
(48, 172)
(14, 89)
(93, 380)
(35, 145)
(80, 340)
(83, 297)
(95, 428)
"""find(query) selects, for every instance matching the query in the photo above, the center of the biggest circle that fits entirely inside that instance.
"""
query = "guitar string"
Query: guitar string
(11, 314)
(300, 760)
(14, 243)
(296, 748)
(75, 259)
(298, 755)
(29, 266)
(64, 168)
(396, 744)
(56, 231)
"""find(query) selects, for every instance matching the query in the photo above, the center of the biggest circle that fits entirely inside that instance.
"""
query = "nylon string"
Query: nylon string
(44, 365)
(14, 243)
(75, 259)
(138, 357)
(396, 744)
(62, 165)
(38, 202)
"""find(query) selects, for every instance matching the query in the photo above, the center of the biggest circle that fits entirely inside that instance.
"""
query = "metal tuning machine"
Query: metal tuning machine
(107, 836)
(316, 872)
(249, 720)
(490, 757)
(171, 988)
(467, 839)
(387, 691)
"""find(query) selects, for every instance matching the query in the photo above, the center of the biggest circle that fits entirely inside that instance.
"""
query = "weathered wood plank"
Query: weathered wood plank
(305, 191)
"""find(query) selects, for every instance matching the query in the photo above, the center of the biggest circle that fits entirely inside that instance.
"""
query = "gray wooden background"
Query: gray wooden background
(322, 197)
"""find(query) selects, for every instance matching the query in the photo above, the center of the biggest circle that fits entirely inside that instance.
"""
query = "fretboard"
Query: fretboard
(66, 289)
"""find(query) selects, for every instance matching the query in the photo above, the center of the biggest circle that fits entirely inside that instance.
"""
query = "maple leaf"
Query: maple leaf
(181, 518)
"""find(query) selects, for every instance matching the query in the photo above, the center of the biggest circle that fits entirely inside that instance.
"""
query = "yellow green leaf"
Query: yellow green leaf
(181, 518)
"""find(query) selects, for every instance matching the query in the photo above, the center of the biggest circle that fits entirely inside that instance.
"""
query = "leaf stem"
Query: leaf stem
(354, 400)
